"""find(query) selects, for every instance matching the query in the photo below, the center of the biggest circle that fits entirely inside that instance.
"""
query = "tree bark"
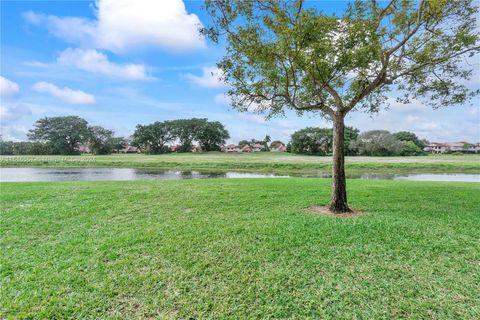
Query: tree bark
(339, 184)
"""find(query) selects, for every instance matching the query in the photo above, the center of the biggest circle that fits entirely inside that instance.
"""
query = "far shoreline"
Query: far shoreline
(262, 162)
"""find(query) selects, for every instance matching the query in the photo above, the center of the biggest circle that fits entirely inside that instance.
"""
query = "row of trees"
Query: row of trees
(25, 148)
(384, 143)
(319, 141)
(156, 137)
(66, 135)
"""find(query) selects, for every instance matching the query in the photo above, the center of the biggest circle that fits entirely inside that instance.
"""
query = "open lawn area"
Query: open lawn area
(239, 249)
(258, 162)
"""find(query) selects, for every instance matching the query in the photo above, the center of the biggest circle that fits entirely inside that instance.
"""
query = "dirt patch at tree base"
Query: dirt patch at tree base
(325, 211)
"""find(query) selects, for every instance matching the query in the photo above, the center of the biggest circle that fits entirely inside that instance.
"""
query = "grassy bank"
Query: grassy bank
(239, 249)
(258, 162)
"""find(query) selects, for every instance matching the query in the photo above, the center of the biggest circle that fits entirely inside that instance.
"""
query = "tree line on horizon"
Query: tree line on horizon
(65, 135)
(156, 137)
(319, 141)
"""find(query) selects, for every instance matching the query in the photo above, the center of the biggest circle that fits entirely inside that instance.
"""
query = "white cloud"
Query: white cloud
(123, 25)
(443, 124)
(13, 112)
(66, 94)
(255, 118)
(13, 133)
(413, 106)
(427, 125)
(210, 78)
(8, 88)
(222, 99)
(133, 94)
(475, 112)
(225, 100)
(5, 113)
(36, 64)
(33, 18)
(97, 62)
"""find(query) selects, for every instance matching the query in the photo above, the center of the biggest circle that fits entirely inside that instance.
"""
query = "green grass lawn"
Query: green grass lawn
(239, 249)
(259, 162)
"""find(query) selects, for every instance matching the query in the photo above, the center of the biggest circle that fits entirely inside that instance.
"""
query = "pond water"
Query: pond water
(121, 174)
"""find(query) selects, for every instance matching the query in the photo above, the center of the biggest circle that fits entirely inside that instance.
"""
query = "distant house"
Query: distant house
(473, 148)
(83, 148)
(457, 146)
(446, 147)
(129, 149)
(278, 148)
(231, 148)
(253, 147)
(197, 149)
(173, 148)
(246, 148)
(436, 148)
(257, 147)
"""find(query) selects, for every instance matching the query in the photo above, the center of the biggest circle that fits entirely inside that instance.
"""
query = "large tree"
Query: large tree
(290, 54)
(100, 140)
(212, 134)
(319, 141)
(186, 131)
(153, 138)
(315, 141)
(118, 143)
(64, 134)
(377, 143)
(407, 136)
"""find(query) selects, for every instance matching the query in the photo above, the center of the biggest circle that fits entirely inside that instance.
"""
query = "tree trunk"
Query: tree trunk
(339, 185)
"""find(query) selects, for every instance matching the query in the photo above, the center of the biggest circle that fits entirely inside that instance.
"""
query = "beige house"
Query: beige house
(246, 148)
(197, 148)
(446, 147)
(279, 148)
(257, 147)
(83, 148)
(436, 148)
(129, 149)
(231, 148)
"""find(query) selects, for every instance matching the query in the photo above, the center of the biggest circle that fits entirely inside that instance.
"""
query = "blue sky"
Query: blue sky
(119, 67)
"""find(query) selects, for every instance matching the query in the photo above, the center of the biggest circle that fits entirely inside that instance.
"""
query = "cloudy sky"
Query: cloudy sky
(119, 63)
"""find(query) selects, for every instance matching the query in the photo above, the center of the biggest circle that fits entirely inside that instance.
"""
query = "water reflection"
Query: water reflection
(122, 174)
(115, 174)
(441, 177)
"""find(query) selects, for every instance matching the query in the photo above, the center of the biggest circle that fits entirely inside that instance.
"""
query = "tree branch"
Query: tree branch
(432, 62)
(411, 33)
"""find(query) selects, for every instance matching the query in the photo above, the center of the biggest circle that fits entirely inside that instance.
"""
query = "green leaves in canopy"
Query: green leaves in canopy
(64, 134)
(291, 54)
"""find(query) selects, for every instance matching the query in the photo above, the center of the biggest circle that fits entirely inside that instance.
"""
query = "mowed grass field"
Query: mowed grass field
(239, 249)
(258, 162)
